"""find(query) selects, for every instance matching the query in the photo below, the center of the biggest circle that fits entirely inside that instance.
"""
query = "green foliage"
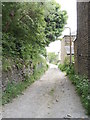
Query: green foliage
(23, 29)
(62, 67)
(13, 90)
(29, 27)
(6, 64)
(73, 58)
(55, 21)
(66, 65)
(25, 34)
(25, 25)
(81, 83)
(52, 57)
(8, 45)
(70, 70)
(51, 92)
(67, 61)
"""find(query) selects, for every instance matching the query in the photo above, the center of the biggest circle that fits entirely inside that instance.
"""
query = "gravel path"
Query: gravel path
(53, 96)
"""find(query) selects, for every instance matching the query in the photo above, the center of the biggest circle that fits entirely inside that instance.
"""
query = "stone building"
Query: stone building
(65, 47)
(82, 43)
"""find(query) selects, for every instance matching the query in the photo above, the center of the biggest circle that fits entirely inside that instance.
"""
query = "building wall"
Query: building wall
(63, 52)
(81, 44)
(75, 56)
(89, 41)
(67, 39)
(65, 42)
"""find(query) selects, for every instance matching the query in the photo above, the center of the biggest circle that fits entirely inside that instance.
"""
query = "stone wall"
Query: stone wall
(63, 51)
(65, 42)
(16, 75)
(82, 53)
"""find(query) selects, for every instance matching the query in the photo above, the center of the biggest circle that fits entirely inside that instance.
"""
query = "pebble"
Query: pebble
(63, 90)
(48, 106)
(57, 100)
(68, 115)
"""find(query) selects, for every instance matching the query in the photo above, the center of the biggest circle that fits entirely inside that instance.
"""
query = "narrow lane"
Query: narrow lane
(53, 96)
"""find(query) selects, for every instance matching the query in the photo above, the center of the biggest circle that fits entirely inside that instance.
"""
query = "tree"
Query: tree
(29, 27)
(23, 29)
(55, 21)
(52, 57)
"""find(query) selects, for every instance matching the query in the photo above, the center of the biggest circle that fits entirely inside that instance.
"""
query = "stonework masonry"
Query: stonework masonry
(66, 42)
(82, 43)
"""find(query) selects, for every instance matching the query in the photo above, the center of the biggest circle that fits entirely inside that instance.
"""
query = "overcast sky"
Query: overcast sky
(70, 7)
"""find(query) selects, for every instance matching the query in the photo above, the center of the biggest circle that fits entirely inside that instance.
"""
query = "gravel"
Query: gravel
(39, 102)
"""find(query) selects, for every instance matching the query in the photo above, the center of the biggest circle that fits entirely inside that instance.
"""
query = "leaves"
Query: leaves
(29, 27)
(55, 21)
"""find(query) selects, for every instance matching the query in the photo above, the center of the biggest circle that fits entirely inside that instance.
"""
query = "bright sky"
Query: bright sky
(70, 7)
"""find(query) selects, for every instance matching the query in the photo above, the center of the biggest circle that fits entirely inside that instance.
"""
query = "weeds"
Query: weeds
(13, 90)
(51, 91)
(6, 65)
(81, 83)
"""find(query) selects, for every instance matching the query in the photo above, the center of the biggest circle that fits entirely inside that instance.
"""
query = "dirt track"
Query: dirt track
(53, 96)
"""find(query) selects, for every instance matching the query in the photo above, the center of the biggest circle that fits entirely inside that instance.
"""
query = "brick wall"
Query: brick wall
(82, 52)
(89, 41)
(75, 56)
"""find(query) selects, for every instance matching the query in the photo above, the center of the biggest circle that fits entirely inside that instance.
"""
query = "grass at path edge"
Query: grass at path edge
(81, 83)
(14, 90)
